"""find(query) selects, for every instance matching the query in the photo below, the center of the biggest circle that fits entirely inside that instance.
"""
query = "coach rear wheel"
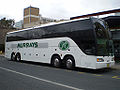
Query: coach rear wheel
(70, 62)
(18, 57)
(56, 61)
(13, 56)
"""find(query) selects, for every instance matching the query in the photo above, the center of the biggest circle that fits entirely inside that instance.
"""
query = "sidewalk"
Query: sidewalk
(116, 66)
(2, 54)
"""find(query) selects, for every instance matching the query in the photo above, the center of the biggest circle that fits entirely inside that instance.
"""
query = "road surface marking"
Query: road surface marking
(68, 70)
(81, 72)
(40, 79)
(97, 75)
(116, 77)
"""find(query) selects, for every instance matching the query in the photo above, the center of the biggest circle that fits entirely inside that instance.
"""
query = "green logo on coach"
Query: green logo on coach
(63, 45)
(31, 44)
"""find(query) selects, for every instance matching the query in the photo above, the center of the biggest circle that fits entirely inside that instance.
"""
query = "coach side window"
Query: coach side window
(35, 33)
(21, 36)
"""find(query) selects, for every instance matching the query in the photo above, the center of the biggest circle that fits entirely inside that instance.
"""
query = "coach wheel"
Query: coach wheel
(70, 62)
(18, 57)
(13, 56)
(56, 61)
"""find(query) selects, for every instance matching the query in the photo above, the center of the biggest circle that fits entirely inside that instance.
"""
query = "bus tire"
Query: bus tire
(18, 57)
(13, 56)
(69, 62)
(56, 61)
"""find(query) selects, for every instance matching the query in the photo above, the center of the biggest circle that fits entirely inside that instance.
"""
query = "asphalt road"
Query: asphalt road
(37, 76)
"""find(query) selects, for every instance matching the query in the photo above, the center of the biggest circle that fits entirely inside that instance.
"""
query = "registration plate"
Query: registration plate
(108, 65)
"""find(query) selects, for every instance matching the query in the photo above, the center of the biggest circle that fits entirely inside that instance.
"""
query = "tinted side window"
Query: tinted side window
(100, 31)
(21, 36)
(35, 33)
(58, 30)
(85, 40)
(17, 36)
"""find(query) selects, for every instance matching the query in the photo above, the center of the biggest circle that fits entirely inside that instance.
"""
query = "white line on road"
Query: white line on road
(40, 79)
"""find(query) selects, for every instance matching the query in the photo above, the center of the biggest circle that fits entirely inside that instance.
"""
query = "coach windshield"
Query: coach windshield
(104, 44)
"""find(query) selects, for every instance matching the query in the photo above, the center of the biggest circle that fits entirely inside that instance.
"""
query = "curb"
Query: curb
(2, 55)
(116, 66)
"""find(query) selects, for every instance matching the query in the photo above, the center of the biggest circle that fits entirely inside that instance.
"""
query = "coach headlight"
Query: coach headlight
(100, 60)
(113, 59)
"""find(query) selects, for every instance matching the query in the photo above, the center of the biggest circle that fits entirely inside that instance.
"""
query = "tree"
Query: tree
(7, 24)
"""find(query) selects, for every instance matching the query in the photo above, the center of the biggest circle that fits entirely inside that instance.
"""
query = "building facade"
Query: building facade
(114, 26)
(33, 18)
(19, 25)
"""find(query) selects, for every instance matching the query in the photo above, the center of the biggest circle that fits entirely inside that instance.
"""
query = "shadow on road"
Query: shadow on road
(98, 71)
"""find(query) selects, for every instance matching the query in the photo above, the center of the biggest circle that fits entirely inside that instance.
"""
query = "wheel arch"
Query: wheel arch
(11, 57)
(53, 56)
(68, 55)
(18, 53)
(13, 53)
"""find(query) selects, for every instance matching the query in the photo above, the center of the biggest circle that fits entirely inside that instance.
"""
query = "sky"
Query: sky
(56, 9)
